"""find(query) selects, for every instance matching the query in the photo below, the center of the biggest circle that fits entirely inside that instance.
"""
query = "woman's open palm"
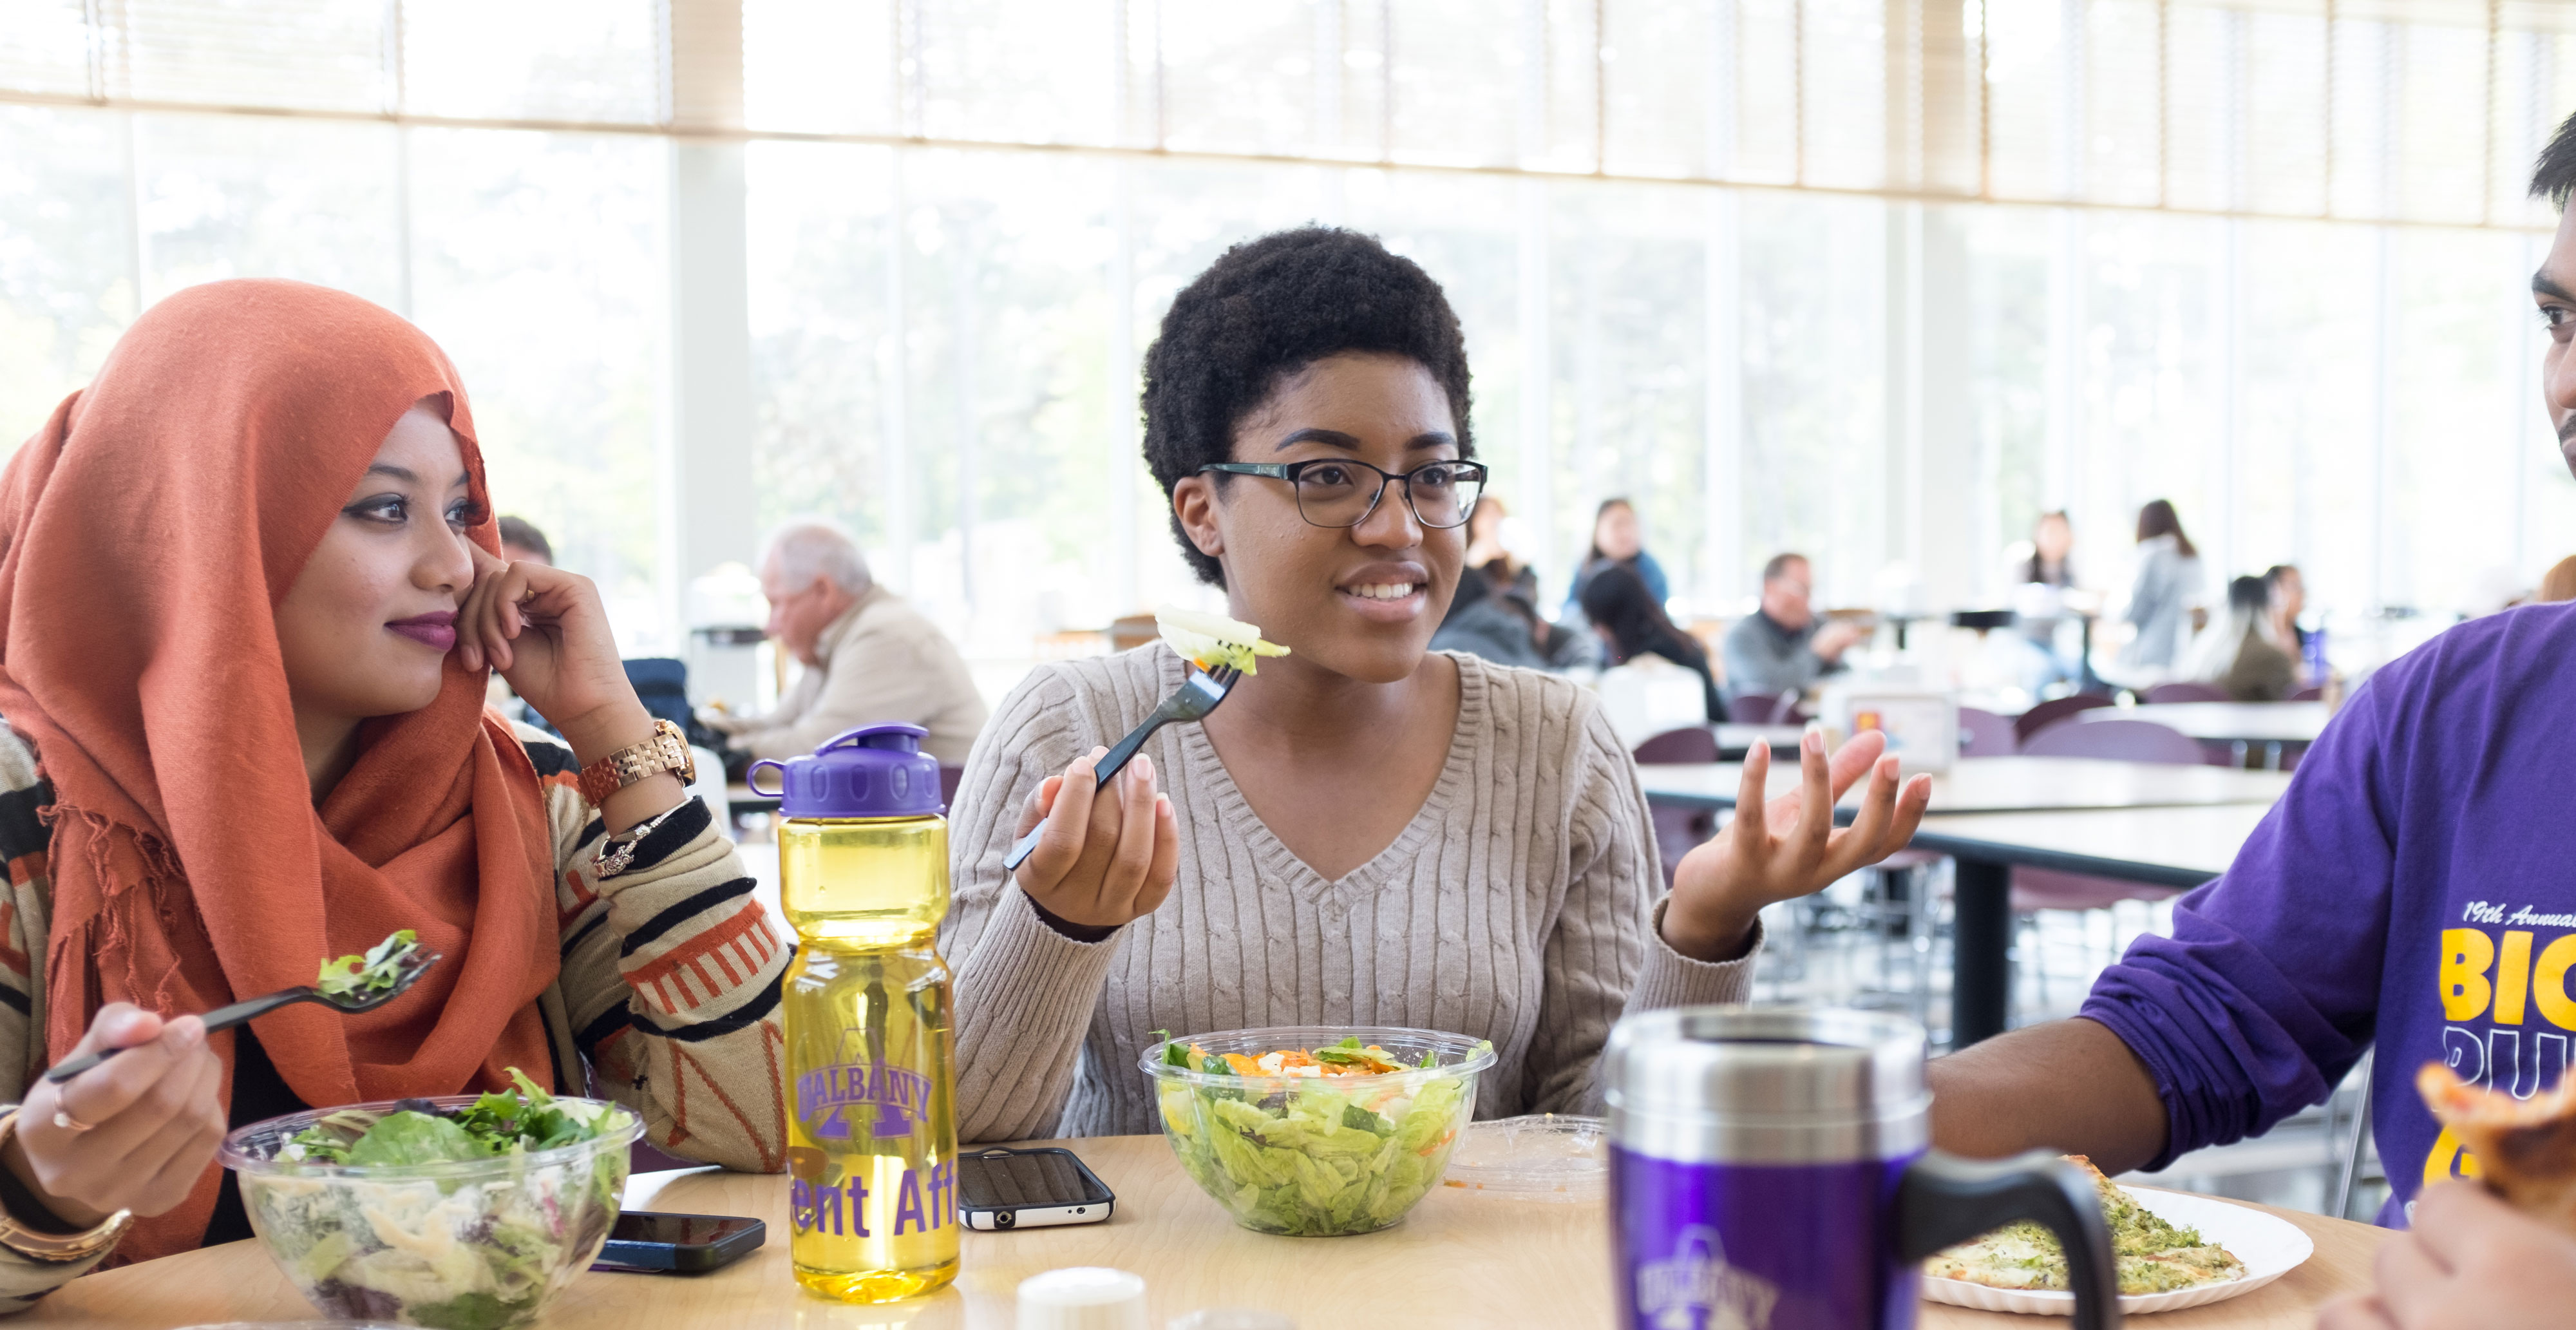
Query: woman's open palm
(1785, 847)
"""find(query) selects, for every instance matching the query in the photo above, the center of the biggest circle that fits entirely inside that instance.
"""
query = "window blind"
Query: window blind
(584, 61)
(2366, 110)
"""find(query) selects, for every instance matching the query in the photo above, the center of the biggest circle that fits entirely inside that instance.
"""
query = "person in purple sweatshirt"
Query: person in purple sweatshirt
(2415, 888)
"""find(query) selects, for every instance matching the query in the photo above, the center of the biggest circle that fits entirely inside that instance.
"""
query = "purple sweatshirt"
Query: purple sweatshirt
(2416, 886)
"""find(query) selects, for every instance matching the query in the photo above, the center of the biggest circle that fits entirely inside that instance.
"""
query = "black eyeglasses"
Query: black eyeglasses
(1336, 492)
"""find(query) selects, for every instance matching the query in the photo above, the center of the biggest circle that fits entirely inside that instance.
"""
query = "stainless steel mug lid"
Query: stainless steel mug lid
(1810, 1064)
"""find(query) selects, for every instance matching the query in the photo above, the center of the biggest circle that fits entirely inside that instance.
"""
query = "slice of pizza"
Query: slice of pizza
(2525, 1148)
(2152, 1255)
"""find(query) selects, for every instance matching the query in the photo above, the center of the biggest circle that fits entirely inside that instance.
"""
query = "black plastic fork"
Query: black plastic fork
(407, 970)
(1193, 700)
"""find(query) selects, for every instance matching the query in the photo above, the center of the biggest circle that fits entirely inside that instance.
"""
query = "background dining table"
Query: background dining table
(1998, 784)
(2173, 825)
(1461, 1259)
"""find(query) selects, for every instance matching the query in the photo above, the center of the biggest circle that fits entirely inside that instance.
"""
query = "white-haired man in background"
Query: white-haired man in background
(868, 656)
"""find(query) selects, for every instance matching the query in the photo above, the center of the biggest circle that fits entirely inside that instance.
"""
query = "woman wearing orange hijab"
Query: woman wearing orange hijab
(249, 596)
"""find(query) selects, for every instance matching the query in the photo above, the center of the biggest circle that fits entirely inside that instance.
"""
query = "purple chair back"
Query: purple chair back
(2052, 711)
(1982, 733)
(1752, 708)
(2120, 740)
(948, 778)
(2186, 692)
(1677, 832)
(1692, 743)
(2315, 692)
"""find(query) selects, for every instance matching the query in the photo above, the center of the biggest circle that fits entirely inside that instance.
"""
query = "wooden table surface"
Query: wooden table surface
(2003, 784)
(1459, 1260)
(2228, 722)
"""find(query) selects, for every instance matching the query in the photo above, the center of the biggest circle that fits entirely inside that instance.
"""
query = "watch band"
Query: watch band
(57, 1248)
(667, 750)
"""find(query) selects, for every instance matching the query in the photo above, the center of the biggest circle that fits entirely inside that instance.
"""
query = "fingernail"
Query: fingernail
(1814, 742)
(1144, 770)
(188, 1031)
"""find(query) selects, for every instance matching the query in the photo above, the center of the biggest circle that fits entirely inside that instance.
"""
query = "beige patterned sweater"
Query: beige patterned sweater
(1517, 906)
(669, 987)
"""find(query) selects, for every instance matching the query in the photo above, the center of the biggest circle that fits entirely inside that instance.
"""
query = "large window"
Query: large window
(1762, 265)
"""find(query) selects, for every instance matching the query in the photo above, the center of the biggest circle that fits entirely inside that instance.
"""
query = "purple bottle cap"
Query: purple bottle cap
(872, 771)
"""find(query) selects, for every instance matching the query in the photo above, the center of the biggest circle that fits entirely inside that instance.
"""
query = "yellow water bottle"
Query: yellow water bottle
(871, 1057)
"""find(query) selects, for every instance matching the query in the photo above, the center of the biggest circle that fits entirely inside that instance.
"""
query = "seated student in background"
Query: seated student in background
(522, 542)
(1618, 542)
(2237, 653)
(1782, 647)
(1632, 623)
(2410, 890)
(1495, 613)
(273, 751)
(868, 656)
(1366, 832)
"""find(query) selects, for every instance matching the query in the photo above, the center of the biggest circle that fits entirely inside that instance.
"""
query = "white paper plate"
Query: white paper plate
(2270, 1248)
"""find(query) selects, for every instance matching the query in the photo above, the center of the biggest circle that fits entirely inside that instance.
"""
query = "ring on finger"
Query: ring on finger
(64, 1120)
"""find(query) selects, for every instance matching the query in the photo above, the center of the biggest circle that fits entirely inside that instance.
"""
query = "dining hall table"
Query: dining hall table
(1998, 784)
(1460, 1259)
(2171, 847)
(2158, 824)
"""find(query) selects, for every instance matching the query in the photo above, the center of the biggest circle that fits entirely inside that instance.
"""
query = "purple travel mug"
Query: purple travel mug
(1769, 1171)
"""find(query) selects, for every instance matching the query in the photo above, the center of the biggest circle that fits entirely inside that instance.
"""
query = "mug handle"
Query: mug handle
(1945, 1200)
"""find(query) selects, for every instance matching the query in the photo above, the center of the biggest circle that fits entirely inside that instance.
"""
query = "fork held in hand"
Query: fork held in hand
(407, 970)
(1193, 700)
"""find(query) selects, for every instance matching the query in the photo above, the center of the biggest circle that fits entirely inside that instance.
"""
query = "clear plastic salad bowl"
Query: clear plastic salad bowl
(474, 1245)
(1317, 1156)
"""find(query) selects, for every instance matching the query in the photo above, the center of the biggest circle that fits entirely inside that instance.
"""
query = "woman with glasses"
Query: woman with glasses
(1366, 832)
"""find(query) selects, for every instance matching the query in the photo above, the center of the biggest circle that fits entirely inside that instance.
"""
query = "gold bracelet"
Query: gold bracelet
(57, 1248)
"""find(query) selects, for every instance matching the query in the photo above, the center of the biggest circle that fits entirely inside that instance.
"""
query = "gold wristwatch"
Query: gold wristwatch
(59, 1248)
(667, 750)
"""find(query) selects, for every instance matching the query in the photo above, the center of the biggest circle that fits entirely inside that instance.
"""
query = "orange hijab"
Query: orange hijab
(147, 534)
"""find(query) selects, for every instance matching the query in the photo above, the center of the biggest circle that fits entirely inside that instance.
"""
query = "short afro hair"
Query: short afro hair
(2553, 177)
(1267, 309)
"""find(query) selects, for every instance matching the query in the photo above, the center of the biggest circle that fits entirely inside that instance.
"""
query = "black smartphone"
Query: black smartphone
(1001, 1189)
(643, 1242)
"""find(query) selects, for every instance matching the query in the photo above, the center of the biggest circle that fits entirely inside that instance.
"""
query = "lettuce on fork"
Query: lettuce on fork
(373, 972)
(1211, 640)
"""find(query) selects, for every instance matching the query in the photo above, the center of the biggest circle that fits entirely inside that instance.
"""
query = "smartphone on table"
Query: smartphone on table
(644, 1242)
(1002, 1189)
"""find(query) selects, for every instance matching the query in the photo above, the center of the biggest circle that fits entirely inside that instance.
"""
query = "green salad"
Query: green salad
(373, 972)
(464, 1248)
(1338, 1139)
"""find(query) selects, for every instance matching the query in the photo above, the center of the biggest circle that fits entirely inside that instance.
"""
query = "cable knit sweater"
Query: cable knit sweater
(1519, 906)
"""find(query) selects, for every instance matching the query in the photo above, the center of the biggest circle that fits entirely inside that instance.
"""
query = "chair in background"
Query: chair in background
(1691, 743)
(2037, 889)
(948, 778)
(1677, 830)
(2315, 692)
(2164, 693)
(2116, 740)
(1763, 709)
(1982, 733)
(2052, 711)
